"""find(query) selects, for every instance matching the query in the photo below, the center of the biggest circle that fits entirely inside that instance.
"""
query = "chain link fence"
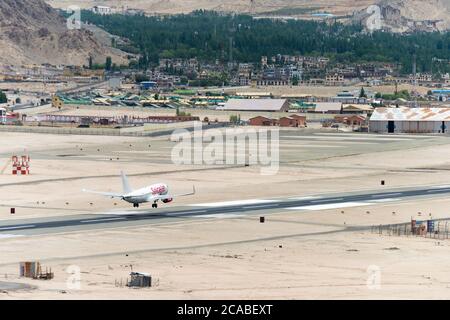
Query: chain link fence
(434, 229)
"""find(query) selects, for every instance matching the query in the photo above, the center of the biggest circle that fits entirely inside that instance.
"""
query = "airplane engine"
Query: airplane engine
(167, 200)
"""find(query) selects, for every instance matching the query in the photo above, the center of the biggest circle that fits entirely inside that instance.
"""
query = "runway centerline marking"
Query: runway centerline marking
(220, 216)
(387, 195)
(437, 191)
(184, 212)
(386, 200)
(100, 220)
(331, 206)
(234, 203)
(18, 227)
(327, 200)
(261, 206)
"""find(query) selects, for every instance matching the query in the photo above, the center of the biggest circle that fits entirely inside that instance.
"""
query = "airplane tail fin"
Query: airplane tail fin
(125, 184)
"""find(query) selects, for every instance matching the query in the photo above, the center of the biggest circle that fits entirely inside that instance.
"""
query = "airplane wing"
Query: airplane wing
(184, 194)
(107, 194)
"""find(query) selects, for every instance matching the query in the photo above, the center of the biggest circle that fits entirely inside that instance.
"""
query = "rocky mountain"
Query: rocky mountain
(409, 15)
(31, 31)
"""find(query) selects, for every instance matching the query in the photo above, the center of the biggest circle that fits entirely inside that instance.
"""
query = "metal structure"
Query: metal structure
(34, 270)
(140, 279)
(20, 166)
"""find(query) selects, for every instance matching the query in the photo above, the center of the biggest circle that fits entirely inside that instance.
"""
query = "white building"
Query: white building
(410, 120)
(102, 10)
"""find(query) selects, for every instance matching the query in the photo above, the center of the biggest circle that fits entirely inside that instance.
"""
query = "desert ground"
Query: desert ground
(295, 254)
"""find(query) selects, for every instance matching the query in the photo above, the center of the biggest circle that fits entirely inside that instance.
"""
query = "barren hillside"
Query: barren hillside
(33, 32)
(410, 11)
(183, 6)
(413, 15)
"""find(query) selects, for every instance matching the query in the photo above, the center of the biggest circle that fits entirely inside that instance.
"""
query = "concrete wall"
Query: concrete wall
(151, 127)
(167, 126)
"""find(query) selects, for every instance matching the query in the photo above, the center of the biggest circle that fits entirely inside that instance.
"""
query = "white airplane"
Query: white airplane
(153, 193)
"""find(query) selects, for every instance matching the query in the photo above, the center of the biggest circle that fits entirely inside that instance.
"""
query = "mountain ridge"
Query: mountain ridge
(32, 32)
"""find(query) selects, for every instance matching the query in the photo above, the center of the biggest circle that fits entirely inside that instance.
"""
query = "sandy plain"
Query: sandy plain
(294, 255)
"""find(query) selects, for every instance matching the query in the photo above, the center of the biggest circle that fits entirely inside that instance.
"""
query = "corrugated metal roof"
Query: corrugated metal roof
(411, 114)
(361, 107)
(255, 104)
(256, 94)
(328, 106)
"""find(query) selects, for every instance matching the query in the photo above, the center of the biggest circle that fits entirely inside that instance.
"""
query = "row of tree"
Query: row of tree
(210, 36)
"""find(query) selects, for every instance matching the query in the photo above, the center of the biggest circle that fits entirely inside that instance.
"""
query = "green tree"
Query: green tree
(362, 93)
(234, 119)
(138, 78)
(3, 98)
(108, 64)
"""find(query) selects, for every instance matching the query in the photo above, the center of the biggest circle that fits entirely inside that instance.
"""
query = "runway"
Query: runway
(231, 209)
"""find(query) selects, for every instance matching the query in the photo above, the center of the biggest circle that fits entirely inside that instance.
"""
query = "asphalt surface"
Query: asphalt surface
(178, 214)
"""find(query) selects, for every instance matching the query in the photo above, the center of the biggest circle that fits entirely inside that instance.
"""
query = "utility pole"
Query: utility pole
(415, 79)
(230, 55)
(232, 29)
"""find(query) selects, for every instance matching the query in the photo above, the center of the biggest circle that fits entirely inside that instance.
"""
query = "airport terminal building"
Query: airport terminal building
(410, 120)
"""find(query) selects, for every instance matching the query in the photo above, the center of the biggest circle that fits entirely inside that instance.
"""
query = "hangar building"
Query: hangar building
(410, 120)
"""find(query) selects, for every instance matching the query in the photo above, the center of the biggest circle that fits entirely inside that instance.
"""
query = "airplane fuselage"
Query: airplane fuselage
(145, 194)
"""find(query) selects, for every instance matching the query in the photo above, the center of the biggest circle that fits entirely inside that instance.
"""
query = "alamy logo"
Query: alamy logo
(74, 20)
(374, 21)
(232, 146)
(373, 277)
(74, 280)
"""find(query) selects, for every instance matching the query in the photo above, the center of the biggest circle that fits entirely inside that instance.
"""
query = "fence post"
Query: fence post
(439, 230)
(446, 230)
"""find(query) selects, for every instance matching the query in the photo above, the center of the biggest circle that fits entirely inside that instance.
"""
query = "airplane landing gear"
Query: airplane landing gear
(136, 205)
(154, 205)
